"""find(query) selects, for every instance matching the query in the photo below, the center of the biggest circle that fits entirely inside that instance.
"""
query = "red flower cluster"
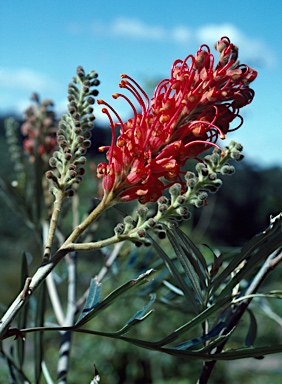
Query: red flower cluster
(39, 130)
(186, 116)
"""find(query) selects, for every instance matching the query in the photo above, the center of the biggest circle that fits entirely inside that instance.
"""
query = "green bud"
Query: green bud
(162, 208)
(86, 143)
(191, 183)
(212, 176)
(119, 229)
(142, 214)
(227, 169)
(202, 195)
(141, 233)
(175, 189)
(53, 162)
(93, 74)
(236, 155)
(184, 212)
(128, 224)
(151, 223)
(163, 200)
(80, 72)
(180, 200)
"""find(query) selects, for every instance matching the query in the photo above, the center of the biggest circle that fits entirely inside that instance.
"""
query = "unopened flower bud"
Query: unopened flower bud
(53, 162)
(86, 143)
(141, 233)
(163, 200)
(68, 156)
(227, 169)
(80, 72)
(119, 229)
(162, 235)
(90, 100)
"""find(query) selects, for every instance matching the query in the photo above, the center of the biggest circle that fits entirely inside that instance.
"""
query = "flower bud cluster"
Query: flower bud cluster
(170, 212)
(137, 230)
(74, 133)
(39, 130)
(206, 180)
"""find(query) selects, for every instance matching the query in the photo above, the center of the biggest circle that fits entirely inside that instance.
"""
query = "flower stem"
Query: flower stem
(53, 224)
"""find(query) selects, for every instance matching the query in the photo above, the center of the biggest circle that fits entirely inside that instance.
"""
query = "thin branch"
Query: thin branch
(51, 286)
(53, 224)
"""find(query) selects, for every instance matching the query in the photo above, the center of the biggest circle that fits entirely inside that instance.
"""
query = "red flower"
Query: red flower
(187, 115)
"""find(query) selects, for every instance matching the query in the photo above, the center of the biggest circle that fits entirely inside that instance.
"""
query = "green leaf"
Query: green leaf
(178, 279)
(22, 318)
(235, 354)
(198, 340)
(173, 288)
(113, 296)
(93, 298)
(185, 260)
(195, 252)
(252, 331)
(138, 317)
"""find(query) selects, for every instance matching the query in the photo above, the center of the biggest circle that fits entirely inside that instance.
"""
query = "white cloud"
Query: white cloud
(26, 79)
(181, 34)
(135, 28)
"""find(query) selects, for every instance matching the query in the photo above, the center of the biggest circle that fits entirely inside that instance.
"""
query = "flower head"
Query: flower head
(186, 116)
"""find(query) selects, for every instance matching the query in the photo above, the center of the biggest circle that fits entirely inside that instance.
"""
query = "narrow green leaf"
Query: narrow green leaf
(252, 331)
(188, 293)
(217, 342)
(22, 318)
(188, 243)
(92, 298)
(186, 264)
(38, 336)
(173, 288)
(138, 317)
(236, 354)
(113, 296)
(198, 340)
(132, 323)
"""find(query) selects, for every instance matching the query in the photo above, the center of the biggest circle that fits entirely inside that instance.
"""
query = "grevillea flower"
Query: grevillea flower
(186, 116)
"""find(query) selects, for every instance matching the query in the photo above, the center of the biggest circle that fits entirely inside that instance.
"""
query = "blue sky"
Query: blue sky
(42, 42)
